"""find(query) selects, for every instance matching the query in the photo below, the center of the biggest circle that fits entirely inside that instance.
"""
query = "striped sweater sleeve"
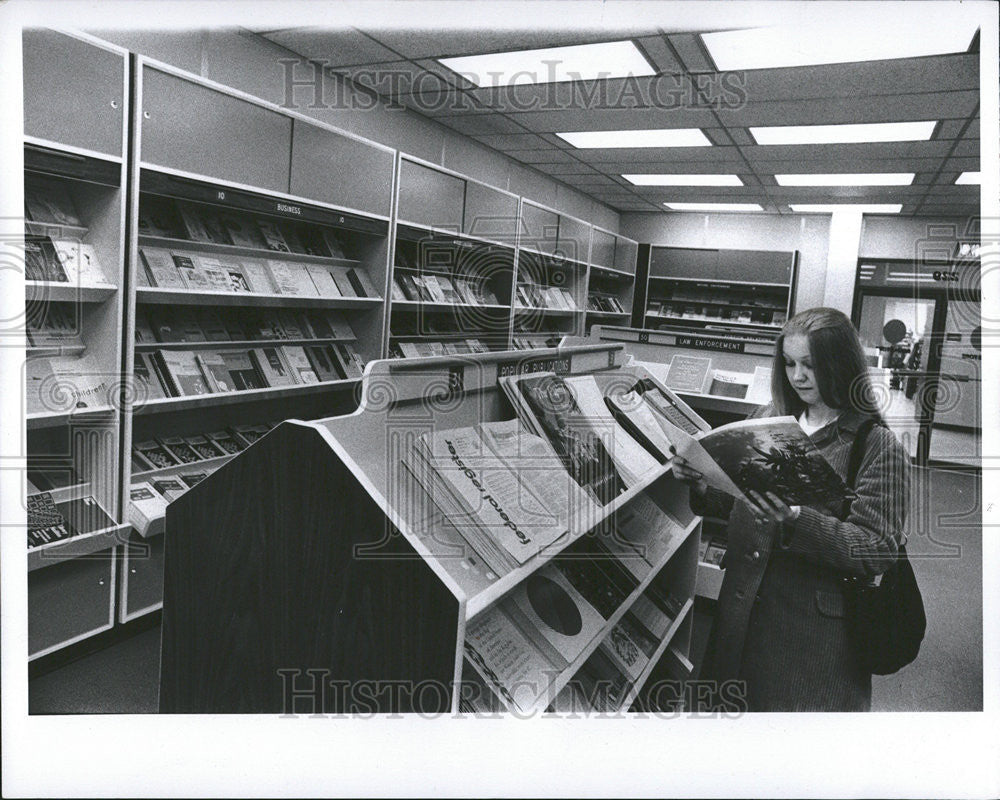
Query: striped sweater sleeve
(866, 543)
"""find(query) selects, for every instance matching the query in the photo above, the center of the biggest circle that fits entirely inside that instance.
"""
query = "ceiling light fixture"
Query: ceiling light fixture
(848, 179)
(845, 134)
(650, 179)
(582, 62)
(968, 178)
(714, 206)
(658, 137)
(830, 208)
(838, 40)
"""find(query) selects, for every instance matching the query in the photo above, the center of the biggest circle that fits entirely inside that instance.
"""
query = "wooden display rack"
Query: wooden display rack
(311, 560)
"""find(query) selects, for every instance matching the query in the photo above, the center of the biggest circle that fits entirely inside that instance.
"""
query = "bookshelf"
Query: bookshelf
(550, 294)
(453, 264)
(76, 98)
(736, 290)
(611, 279)
(257, 288)
(363, 578)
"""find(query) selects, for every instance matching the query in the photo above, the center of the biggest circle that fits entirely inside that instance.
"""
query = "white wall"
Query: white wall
(250, 63)
(809, 234)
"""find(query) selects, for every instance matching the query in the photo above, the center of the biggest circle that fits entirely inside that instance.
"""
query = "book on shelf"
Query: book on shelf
(191, 273)
(396, 290)
(147, 377)
(160, 268)
(239, 282)
(649, 413)
(152, 455)
(333, 244)
(204, 448)
(170, 487)
(79, 262)
(194, 227)
(317, 324)
(270, 362)
(181, 451)
(241, 231)
(688, 373)
(215, 370)
(46, 524)
(291, 234)
(273, 237)
(49, 201)
(312, 241)
(409, 287)
(652, 617)
(181, 373)
(726, 383)
(299, 364)
(226, 441)
(290, 324)
(69, 383)
(59, 327)
(248, 434)
(143, 329)
(212, 325)
(500, 516)
(645, 528)
(214, 271)
(193, 478)
(360, 282)
(344, 284)
(243, 374)
(554, 615)
(323, 364)
(146, 509)
(602, 683)
(760, 386)
(291, 278)
(629, 645)
(349, 359)
(40, 260)
(325, 285)
(509, 662)
(448, 290)
(158, 217)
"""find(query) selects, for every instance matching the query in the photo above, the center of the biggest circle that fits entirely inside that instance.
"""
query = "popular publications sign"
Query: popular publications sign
(526, 366)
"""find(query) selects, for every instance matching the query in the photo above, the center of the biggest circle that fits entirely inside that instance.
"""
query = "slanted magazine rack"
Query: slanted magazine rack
(312, 574)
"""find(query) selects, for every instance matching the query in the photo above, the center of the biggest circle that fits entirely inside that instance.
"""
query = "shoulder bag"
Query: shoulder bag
(886, 621)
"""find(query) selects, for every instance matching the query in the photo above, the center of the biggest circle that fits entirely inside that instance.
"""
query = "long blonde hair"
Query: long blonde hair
(838, 364)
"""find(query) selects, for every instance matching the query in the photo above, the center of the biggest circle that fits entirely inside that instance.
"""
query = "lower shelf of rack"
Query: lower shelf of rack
(170, 404)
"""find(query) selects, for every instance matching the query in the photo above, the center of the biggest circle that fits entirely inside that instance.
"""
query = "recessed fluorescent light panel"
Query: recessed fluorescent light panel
(683, 180)
(714, 206)
(845, 134)
(661, 137)
(582, 62)
(968, 177)
(839, 40)
(829, 208)
(848, 179)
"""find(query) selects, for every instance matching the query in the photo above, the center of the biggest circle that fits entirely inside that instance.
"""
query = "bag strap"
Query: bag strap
(857, 454)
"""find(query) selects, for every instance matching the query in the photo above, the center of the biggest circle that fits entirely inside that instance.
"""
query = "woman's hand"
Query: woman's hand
(768, 507)
(684, 472)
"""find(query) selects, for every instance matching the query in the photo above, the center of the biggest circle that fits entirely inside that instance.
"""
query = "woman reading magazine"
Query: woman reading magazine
(781, 627)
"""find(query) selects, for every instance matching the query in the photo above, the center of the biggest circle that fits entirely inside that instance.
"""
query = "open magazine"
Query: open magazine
(770, 454)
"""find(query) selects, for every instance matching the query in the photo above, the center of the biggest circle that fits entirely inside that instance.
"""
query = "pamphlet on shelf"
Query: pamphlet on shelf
(152, 454)
(651, 616)
(688, 373)
(242, 232)
(248, 434)
(729, 384)
(760, 386)
(203, 447)
(193, 225)
(242, 372)
(79, 262)
(344, 284)
(299, 364)
(191, 275)
(509, 662)
(644, 409)
(548, 408)
(272, 236)
(291, 278)
(271, 363)
(554, 614)
(161, 268)
(215, 272)
(50, 201)
(215, 370)
(325, 369)
(180, 368)
(323, 280)
(170, 488)
(630, 646)
(226, 441)
(146, 510)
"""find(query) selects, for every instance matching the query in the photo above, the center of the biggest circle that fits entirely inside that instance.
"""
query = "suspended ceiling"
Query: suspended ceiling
(688, 92)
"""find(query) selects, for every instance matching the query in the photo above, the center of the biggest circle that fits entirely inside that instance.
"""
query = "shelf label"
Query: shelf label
(288, 208)
(725, 345)
(525, 366)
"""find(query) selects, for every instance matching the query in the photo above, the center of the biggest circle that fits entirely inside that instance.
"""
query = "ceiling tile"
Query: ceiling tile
(442, 42)
(657, 51)
(481, 124)
(608, 119)
(513, 141)
(691, 53)
(339, 47)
